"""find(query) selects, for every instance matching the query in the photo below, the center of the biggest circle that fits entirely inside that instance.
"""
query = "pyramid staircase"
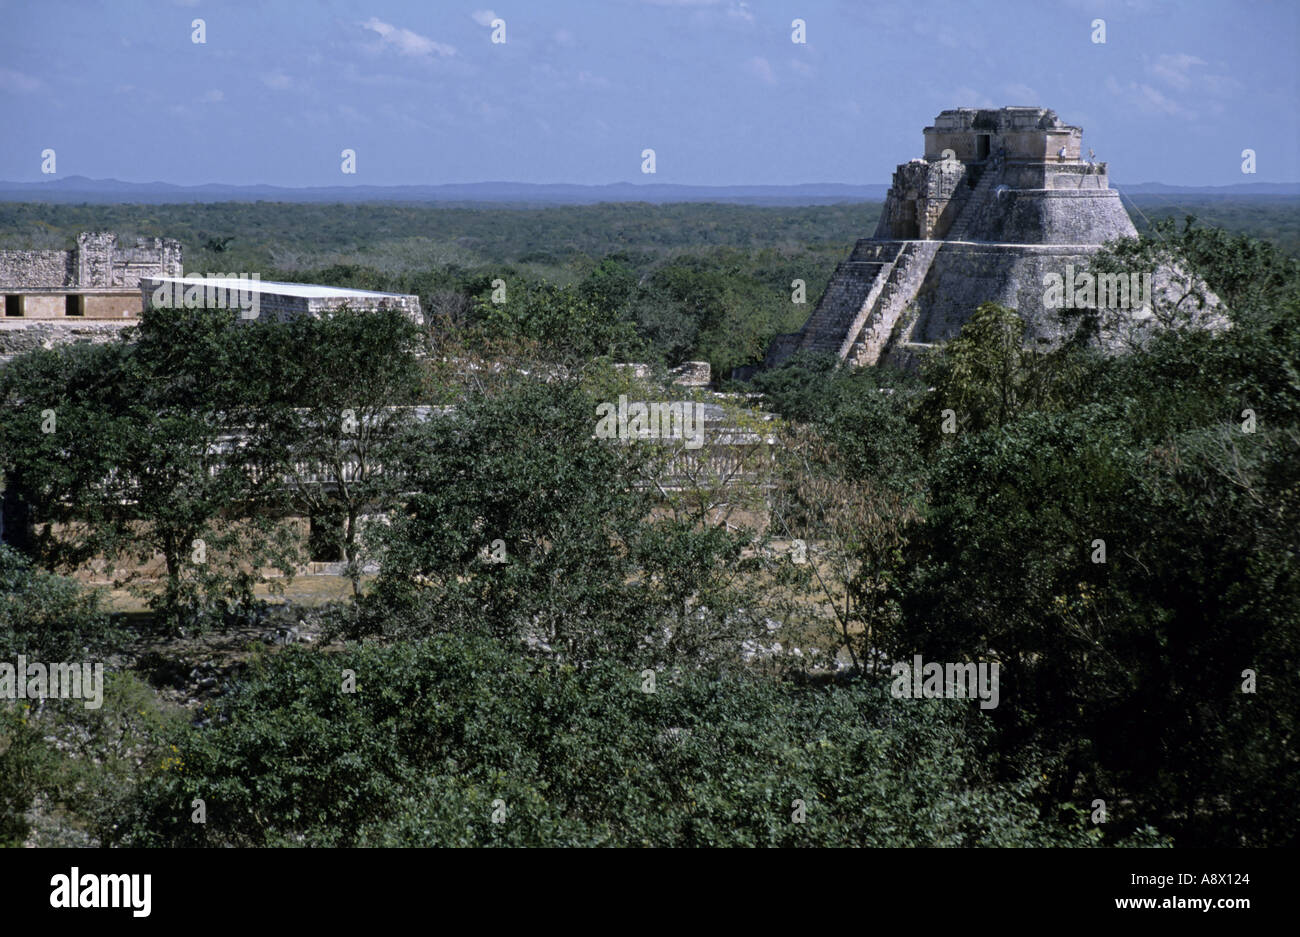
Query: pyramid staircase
(866, 339)
(863, 300)
(868, 293)
(979, 197)
(849, 297)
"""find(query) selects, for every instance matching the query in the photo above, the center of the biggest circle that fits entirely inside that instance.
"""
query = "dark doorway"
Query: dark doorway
(15, 521)
(905, 223)
(74, 306)
(325, 540)
(13, 305)
(982, 146)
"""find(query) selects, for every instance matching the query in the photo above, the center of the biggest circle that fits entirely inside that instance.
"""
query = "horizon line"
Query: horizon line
(701, 185)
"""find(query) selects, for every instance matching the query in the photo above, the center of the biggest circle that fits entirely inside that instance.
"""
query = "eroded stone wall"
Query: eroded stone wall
(96, 262)
(23, 270)
(1043, 216)
(924, 199)
(272, 306)
(18, 336)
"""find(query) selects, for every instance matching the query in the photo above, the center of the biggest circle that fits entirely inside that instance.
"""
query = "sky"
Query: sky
(580, 88)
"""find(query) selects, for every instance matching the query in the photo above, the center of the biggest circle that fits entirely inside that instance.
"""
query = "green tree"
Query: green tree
(518, 520)
(567, 326)
(987, 377)
(443, 734)
(339, 397)
(46, 618)
(65, 413)
(1126, 591)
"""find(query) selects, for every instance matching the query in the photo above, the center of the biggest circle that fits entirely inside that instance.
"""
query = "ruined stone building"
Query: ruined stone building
(92, 292)
(1001, 200)
(268, 300)
(88, 293)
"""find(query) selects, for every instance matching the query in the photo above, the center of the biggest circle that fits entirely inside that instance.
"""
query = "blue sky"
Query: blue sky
(580, 87)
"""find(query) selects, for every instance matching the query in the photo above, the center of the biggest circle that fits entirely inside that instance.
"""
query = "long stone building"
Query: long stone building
(269, 300)
(92, 292)
(1001, 201)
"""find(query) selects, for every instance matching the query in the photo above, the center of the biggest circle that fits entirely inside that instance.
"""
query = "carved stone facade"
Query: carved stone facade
(97, 263)
(92, 292)
(88, 293)
(924, 199)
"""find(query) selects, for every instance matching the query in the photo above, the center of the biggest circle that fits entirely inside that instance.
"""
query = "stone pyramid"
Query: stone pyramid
(1001, 201)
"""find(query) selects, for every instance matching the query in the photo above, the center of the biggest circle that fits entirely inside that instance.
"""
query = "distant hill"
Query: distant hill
(82, 189)
(1243, 188)
(78, 189)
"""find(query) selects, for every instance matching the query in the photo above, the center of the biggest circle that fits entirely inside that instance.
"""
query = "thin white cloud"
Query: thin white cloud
(1019, 95)
(406, 42)
(1175, 70)
(1146, 99)
(279, 81)
(761, 68)
(969, 97)
(17, 82)
(737, 10)
(1178, 85)
(1221, 86)
(1108, 7)
(1187, 74)
(213, 97)
(483, 17)
(1159, 101)
(740, 11)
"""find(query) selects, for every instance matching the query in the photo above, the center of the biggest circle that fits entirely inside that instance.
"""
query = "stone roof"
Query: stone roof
(998, 120)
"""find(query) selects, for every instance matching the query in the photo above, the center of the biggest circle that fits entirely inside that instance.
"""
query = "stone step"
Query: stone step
(843, 300)
(866, 344)
(970, 213)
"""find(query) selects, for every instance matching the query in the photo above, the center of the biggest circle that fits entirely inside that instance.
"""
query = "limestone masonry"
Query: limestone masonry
(88, 293)
(1000, 200)
(92, 292)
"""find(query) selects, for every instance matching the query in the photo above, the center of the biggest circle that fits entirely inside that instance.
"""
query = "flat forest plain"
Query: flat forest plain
(712, 281)
(1148, 697)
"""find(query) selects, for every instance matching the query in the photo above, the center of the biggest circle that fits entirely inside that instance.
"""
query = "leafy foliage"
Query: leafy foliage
(47, 617)
(521, 522)
(1119, 534)
(443, 733)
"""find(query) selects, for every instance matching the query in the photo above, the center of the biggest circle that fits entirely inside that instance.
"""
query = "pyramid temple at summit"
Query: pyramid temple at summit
(1001, 199)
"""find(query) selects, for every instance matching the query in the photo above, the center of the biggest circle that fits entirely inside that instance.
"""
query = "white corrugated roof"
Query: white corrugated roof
(304, 290)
